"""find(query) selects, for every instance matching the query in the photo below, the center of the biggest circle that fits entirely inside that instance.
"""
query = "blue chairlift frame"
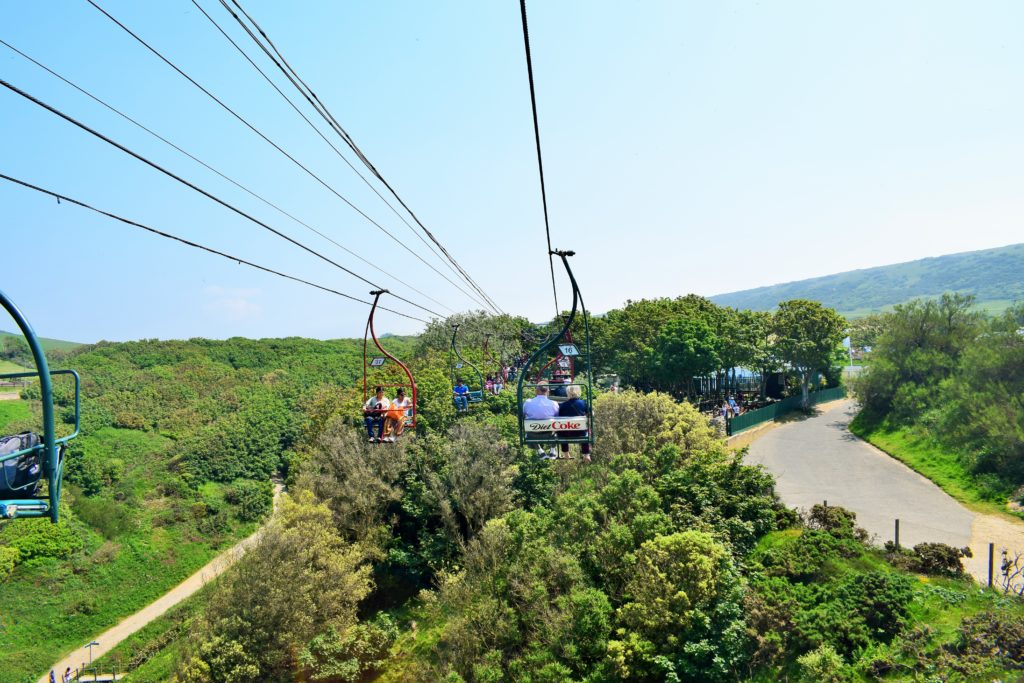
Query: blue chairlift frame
(579, 360)
(474, 396)
(52, 447)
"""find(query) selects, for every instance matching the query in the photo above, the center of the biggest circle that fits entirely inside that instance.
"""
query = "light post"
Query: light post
(91, 646)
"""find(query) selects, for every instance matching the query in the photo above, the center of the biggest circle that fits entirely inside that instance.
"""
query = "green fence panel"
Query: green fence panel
(752, 418)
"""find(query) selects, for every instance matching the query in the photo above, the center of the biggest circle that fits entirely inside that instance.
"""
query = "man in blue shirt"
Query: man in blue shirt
(461, 394)
(540, 407)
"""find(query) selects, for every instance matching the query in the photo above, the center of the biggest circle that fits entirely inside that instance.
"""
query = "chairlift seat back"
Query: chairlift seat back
(20, 474)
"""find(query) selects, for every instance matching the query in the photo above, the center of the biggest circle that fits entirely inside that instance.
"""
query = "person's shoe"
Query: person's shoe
(373, 439)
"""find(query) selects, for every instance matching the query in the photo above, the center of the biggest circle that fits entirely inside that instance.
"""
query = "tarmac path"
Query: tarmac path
(110, 638)
(817, 459)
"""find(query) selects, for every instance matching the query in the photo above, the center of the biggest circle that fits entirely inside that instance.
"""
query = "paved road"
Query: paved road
(818, 459)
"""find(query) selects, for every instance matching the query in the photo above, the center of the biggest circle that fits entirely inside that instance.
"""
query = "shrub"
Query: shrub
(823, 665)
(110, 518)
(39, 538)
(8, 561)
(253, 499)
(350, 656)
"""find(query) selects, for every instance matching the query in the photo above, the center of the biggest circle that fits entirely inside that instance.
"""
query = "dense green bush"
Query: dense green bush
(252, 499)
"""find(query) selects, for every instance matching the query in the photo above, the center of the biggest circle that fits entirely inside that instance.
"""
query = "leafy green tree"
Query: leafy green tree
(686, 348)
(299, 580)
(919, 348)
(219, 661)
(807, 335)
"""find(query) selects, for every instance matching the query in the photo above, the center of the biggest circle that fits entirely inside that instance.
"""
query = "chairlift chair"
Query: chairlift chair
(375, 367)
(458, 366)
(554, 349)
(32, 459)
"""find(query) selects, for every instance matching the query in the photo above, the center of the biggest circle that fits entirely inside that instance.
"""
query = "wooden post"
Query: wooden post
(897, 534)
(824, 503)
(991, 562)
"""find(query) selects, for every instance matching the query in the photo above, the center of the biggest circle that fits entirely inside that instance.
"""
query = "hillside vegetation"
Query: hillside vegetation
(47, 343)
(944, 392)
(995, 277)
(455, 554)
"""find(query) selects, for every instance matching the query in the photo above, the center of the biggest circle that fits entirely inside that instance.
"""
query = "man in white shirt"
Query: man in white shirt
(540, 407)
(373, 414)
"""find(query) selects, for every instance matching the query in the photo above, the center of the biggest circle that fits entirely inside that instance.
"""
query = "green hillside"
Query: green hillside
(48, 344)
(994, 276)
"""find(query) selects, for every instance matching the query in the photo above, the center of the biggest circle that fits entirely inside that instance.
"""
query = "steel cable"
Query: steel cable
(321, 109)
(275, 145)
(60, 197)
(540, 161)
(222, 175)
(203, 192)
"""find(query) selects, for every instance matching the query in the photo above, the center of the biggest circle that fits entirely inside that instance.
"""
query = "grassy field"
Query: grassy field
(930, 459)
(137, 545)
(11, 411)
(48, 344)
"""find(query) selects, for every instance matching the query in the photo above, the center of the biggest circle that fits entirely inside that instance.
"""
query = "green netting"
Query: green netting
(776, 410)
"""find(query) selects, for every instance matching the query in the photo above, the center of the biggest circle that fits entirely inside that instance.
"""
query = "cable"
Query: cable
(301, 114)
(275, 146)
(161, 233)
(321, 109)
(225, 177)
(540, 161)
(204, 192)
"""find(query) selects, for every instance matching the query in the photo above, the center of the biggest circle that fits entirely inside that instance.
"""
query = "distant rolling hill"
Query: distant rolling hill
(994, 276)
(48, 344)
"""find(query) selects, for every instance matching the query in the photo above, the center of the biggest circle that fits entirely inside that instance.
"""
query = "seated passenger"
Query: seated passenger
(373, 414)
(489, 385)
(394, 419)
(461, 395)
(540, 407)
(574, 406)
(559, 383)
(499, 384)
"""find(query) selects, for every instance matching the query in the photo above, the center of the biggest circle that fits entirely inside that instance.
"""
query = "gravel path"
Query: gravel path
(818, 459)
(110, 638)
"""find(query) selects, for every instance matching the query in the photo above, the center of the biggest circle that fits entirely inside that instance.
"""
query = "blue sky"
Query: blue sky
(688, 147)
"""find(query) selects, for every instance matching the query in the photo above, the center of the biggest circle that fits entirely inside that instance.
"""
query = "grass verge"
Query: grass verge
(936, 462)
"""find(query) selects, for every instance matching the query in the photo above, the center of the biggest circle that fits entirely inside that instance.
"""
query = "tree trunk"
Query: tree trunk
(805, 381)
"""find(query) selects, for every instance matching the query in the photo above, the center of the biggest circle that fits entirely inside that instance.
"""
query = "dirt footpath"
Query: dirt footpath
(110, 638)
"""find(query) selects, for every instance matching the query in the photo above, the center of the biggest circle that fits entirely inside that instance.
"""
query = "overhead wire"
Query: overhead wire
(203, 192)
(306, 118)
(222, 175)
(61, 197)
(540, 159)
(321, 109)
(275, 146)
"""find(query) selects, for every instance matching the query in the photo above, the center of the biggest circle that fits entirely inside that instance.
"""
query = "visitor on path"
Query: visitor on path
(394, 419)
(574, 406)
(373, 414)
(732, 406)
(67, 675)
(461, 393)
(540, 407)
